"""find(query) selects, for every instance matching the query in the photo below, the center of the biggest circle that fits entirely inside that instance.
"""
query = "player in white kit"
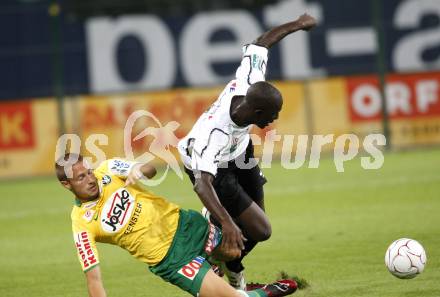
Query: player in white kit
(217, 150)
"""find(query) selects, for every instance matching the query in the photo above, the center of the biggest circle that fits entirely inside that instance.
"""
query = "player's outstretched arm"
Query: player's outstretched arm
(94, 283)
(304, 22)
(138, 172)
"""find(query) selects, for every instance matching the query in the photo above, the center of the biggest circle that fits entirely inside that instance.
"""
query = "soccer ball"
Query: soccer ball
(405, 258)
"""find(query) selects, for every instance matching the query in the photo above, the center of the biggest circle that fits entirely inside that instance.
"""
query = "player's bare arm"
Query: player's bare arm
(232, 242)
(304, 22)
(140, 171)
(94, 283)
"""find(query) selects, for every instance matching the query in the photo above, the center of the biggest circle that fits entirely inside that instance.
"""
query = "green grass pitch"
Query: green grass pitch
(329, 228)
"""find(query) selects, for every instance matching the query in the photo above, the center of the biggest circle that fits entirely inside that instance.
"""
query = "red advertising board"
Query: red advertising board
(16, 126)
(408, 96)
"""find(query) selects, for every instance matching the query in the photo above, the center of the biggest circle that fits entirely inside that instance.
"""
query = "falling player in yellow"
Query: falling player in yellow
(111, 208)
(150, 220)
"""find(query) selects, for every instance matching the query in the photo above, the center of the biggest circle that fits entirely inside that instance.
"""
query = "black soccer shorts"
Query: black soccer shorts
(237, 188)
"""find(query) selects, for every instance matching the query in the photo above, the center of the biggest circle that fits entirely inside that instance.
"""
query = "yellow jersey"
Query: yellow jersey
(135, 219)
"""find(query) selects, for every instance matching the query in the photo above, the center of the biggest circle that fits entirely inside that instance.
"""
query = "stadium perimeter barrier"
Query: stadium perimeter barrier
(337, 105)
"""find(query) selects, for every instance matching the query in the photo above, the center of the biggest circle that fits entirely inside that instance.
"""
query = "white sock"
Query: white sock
(243, 293)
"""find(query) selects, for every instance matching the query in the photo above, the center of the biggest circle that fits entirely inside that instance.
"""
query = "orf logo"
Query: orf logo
(117, 211)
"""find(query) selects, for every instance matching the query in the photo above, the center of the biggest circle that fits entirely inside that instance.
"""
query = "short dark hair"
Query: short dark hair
(262, 93)
(66, 162)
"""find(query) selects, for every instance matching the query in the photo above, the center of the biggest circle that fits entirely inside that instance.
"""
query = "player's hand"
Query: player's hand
(307, 22)
(233, 240)
(134, 175)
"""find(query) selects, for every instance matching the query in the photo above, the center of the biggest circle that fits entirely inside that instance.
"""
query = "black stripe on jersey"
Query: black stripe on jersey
(264, 66)
(209, 140)
(250, 69)
(216, 155)
(188, 143)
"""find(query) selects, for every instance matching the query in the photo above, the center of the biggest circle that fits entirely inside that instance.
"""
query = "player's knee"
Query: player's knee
(264, 231)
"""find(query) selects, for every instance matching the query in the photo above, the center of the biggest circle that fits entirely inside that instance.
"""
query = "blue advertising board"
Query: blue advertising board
(143, 52)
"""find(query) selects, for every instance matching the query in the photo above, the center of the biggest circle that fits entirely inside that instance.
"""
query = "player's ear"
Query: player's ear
(66, 184)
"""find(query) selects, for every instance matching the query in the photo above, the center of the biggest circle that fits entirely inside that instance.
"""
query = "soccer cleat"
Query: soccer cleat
(254, 286)
(280, 288)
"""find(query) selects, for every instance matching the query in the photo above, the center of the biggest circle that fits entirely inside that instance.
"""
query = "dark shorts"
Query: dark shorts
(237, 188)
(185, 264)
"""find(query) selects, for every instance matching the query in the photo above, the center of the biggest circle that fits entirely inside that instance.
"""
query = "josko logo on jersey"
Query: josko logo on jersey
(191, 269)
(117, 211)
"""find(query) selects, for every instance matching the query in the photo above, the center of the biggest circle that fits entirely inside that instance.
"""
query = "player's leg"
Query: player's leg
(253, 220)
(214, 286)
(251, 216)
(186, 266)
(252, 180)
(223, 183)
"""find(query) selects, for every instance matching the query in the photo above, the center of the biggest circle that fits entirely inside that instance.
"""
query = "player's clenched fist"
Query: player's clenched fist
(134, 175)
(140, 171)
(307, 22)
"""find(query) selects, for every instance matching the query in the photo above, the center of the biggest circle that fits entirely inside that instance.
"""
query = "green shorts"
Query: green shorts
(185, 264)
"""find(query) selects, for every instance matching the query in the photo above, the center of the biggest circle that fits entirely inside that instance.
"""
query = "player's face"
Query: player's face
(83, 182)
(267, 116)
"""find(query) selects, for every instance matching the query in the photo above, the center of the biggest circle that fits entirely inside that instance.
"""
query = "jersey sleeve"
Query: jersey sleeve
(253, 65)
(85, 247)
(207, 150)
(119, 167)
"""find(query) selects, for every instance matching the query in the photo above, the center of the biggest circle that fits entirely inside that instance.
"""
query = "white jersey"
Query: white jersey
(215, 139)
